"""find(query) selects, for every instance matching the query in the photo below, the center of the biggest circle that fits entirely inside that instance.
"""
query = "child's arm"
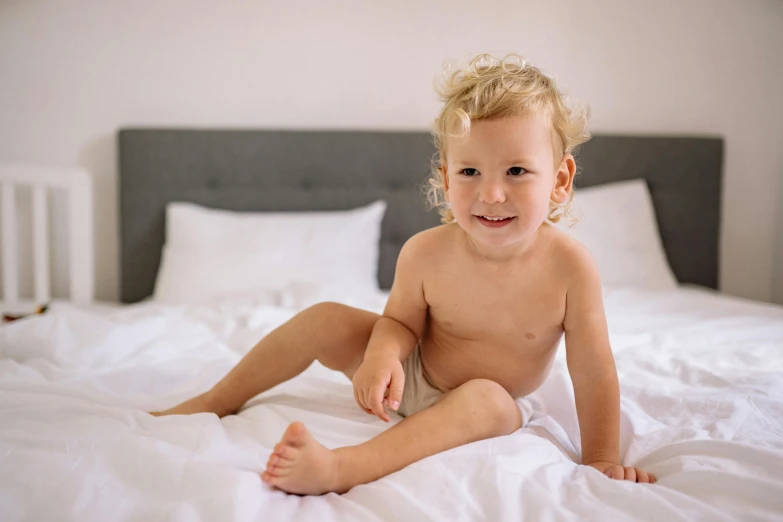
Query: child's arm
(394, 335)
(405, 316)
(593, 372)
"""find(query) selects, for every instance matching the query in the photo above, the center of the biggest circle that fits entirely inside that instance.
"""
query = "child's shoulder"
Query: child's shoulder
(568, 254)
(431, 241)
(433, 237)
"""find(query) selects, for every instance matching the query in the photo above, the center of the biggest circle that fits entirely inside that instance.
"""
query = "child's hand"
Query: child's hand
(617, 472)
(371, 380)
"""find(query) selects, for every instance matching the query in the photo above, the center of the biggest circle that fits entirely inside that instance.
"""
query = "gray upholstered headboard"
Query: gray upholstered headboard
(263, 170)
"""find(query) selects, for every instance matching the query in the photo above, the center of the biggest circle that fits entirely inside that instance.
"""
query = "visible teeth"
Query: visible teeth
(494, 218)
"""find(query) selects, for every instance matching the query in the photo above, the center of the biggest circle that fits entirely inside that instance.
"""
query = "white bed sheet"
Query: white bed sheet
(702, 408)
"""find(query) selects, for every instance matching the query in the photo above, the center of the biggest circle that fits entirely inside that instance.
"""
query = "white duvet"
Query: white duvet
(702, 408)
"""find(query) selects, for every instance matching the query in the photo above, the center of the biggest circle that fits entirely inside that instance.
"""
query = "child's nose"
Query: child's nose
(492, 191)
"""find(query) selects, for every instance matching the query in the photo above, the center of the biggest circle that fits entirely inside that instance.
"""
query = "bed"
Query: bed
(701, 373)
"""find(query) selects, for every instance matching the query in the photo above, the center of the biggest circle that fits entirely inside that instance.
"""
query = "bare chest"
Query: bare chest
(504, 308)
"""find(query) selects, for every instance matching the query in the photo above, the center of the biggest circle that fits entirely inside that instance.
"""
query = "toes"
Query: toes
(278, 469)
(284, 463)
(295, 434)
(286, 453)
(275, 463)
(278, 472)
(283, 458)
(270, 479)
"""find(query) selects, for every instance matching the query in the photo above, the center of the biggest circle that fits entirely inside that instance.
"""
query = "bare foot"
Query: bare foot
(301, 465)
(200, 404)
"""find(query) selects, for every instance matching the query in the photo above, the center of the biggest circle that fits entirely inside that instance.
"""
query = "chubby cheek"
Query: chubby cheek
(533, 203)
(535, 209)
(460, 201)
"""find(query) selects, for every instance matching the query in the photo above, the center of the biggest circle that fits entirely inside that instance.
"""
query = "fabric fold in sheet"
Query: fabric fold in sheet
(702, 408)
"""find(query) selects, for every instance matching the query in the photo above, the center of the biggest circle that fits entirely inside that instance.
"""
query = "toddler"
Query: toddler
(477, 308)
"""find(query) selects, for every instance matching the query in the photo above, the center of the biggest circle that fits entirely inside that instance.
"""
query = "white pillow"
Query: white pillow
(213, 254)
(617, 224)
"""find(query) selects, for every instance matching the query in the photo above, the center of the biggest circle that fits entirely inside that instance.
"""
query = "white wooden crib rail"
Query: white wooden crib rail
(78, 187)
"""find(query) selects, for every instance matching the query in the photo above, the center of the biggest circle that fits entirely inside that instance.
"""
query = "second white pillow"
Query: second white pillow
(212, 254)
(618, 226)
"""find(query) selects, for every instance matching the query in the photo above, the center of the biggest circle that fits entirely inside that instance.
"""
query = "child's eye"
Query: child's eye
(516, 171)
(468, 172)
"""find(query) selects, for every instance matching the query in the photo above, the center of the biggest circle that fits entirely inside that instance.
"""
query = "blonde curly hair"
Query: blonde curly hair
(490, 87)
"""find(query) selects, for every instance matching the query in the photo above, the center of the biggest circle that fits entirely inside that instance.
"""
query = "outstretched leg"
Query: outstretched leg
(479, 409)
(334, 334)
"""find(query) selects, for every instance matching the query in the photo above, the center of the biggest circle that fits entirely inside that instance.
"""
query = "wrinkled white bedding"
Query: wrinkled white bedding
(702, 402)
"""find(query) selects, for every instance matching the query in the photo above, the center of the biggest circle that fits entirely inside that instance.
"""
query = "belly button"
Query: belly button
(530, 336)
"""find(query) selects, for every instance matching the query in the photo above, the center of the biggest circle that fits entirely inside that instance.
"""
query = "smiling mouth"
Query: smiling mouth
(495, 221)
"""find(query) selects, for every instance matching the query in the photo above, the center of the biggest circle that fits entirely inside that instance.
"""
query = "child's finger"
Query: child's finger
(358, 401)
(359, 397)
(365, 394)
(376, 398)
(396, 387)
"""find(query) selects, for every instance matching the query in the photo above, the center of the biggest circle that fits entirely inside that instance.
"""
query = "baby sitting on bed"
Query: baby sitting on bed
(477, 308)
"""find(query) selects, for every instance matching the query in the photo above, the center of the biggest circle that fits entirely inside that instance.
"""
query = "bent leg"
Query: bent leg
(334, 334)
(477, 410)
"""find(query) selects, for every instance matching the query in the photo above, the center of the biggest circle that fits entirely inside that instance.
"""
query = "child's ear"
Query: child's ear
(564, 180)
(444, 175)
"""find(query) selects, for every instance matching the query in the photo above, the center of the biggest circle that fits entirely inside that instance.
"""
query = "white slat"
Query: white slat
(82, 239)
(10, 246)
(78, 184)
(41, 246)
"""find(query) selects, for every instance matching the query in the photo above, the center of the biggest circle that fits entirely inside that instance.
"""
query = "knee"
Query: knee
(327, 312)
(337, 317)
(340, 325)
(333, 318)
(498, 410)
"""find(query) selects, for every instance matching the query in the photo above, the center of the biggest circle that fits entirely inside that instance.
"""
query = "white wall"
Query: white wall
(72, 73)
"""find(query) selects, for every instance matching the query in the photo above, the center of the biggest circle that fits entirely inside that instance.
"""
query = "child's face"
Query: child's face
(505, 168)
